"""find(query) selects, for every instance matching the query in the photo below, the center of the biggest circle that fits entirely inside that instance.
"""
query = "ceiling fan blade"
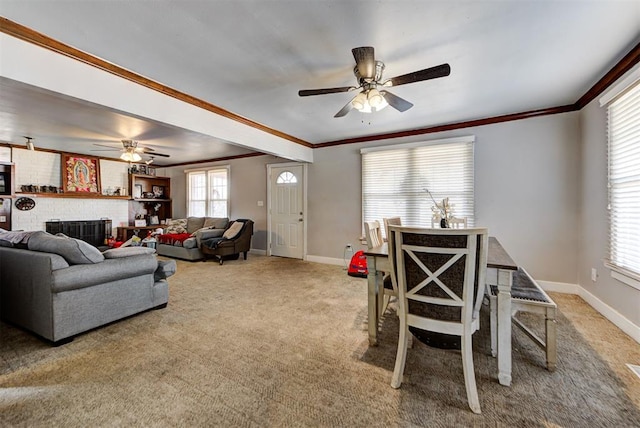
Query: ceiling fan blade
(104, 145)
(365, 61)
(396, 102)
(157, 154)
(441, 70)
(309, 92)
(346, 109)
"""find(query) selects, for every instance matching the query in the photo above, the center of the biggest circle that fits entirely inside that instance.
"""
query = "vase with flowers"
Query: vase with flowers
(443, 210)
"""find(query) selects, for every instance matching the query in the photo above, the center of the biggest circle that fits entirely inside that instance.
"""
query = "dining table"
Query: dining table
(500, 272)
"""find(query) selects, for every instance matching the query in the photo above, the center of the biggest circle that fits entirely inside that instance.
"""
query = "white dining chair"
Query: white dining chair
(373, 235)
(390, 221)
(441, 272)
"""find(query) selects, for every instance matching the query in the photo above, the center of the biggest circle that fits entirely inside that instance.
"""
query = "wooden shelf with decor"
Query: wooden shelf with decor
(70, 195)
(153, 192)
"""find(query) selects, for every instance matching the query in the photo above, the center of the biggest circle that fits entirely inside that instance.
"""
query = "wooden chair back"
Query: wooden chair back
(390, 221)
(440, 276)
(373, 233)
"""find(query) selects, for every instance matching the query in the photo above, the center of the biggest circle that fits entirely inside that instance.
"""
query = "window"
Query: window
(286, 177)
(623, 127)
(395, 179)
(208, 193)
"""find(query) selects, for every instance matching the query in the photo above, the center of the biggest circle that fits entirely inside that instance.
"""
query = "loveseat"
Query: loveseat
(181, 238)
(58, 287)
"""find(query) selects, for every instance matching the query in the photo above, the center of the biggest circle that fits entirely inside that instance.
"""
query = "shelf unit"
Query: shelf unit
(69, 195)
(142, 186)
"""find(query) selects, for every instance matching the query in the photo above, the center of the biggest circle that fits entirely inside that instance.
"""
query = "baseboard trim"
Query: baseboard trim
(325, 260)
(611, 314)
(559, 287)
(258, 252)
(605, 310)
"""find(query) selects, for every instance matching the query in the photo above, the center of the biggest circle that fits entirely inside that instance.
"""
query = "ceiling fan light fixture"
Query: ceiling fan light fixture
(375, 98)
(360, 101)
(130, 157)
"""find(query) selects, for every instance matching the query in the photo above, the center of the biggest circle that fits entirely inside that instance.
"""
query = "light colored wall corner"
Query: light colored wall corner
(611, 314)
(593, 223)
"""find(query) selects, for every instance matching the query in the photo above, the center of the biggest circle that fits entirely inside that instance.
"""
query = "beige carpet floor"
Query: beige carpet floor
(272, 342)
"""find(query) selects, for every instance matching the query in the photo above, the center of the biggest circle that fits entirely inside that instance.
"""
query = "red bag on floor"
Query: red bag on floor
(358, 265)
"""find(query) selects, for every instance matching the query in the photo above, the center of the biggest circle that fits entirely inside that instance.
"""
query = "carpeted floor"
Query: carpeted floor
(278, 342)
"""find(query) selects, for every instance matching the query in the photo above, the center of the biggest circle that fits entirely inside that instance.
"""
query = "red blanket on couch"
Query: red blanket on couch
(173, 238)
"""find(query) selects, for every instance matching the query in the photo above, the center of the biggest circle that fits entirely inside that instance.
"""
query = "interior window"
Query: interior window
(208, 193)
(395, 180)
(623, 126)
(286, 177)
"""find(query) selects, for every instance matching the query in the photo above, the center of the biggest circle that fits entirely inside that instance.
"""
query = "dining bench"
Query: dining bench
(528, 296)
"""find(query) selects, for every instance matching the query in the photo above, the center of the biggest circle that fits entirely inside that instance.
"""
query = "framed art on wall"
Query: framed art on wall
(80, 174)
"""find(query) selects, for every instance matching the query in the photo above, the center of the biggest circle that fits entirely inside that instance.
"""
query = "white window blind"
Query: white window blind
(623, 126)
(208, 193)
(394, 180)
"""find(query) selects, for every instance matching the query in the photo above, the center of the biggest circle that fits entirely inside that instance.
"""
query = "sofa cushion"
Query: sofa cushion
(194, 223)
(74, 251)
(117, 253)
(178, 225)
(216, 222)
(233, 230)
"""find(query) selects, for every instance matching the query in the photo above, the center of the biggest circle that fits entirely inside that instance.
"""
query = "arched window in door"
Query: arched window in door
(286, 177)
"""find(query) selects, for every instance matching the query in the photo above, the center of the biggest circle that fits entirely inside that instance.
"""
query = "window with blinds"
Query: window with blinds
(208, 193)
(623, 127)
(395, 180)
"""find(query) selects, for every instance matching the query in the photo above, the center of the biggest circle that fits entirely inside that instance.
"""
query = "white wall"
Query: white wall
(526, 175)
(43, 168)
(594, 227)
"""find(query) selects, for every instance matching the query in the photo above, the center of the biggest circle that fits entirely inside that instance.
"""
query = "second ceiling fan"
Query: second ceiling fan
(132, 151)
(372, 95)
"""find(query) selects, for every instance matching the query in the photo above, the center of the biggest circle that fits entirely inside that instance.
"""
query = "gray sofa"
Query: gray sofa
(181, 238)
(59, 287)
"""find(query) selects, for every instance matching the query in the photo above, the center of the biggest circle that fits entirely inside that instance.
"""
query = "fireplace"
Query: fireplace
(95, 232)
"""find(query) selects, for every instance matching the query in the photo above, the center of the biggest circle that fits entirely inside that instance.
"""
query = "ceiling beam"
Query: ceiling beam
(31, 36)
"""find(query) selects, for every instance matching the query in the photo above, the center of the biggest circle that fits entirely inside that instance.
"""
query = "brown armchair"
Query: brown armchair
(229, 248)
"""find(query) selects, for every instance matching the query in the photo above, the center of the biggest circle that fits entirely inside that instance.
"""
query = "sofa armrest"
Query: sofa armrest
(201, 235)
(165, 269)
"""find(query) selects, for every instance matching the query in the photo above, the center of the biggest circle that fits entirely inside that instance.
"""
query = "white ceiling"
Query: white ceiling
(251, 57)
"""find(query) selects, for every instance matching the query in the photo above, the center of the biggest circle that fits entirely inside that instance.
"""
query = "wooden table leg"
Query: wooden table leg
(372, 288)
(505, 280)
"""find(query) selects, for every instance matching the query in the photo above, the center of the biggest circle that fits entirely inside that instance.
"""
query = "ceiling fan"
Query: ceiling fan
(131, 151)
(368, 73)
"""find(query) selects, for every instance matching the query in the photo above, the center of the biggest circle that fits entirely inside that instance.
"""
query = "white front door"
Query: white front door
(286, 209)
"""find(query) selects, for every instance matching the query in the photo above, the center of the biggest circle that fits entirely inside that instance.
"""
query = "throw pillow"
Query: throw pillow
(233, 230)
(74, 251)
(117, 253)
(176, 226)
